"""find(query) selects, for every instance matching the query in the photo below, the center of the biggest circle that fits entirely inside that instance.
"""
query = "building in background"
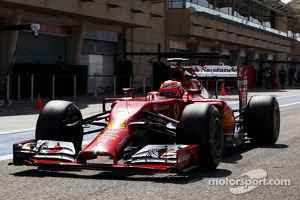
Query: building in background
(92, 36)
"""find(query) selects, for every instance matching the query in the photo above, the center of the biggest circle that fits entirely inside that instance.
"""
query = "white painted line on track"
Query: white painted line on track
(289, 104)
(6, 157)
(17, 131)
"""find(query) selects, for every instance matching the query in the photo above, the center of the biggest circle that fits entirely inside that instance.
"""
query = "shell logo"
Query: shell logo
(116, 125)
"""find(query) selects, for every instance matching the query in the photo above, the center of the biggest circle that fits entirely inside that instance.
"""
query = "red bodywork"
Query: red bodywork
(118, 133)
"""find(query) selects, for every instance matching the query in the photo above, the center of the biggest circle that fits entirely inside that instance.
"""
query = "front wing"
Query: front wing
(175, 158)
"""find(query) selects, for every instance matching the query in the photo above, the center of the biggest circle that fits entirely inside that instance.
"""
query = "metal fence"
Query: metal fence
(28, 86)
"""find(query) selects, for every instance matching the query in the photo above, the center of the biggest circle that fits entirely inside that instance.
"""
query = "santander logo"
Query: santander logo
(215, 68)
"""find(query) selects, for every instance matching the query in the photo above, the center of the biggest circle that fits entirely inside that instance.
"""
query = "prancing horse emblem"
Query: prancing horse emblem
(176, 111)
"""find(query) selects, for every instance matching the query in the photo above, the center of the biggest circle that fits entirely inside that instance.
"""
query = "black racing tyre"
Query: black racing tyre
(201, 124)
(262, 120)
(54, 123)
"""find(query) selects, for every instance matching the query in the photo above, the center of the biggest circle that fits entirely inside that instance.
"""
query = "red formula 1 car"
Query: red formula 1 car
(178, 128)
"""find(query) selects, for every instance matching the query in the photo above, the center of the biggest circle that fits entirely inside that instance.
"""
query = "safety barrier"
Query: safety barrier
(99, 85)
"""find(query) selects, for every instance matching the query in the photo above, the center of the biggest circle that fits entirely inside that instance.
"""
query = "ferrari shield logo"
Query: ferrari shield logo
(176, 111)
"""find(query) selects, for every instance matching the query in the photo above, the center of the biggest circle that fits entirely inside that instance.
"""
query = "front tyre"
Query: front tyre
(201, 124)
(262, 120)
(61, 121)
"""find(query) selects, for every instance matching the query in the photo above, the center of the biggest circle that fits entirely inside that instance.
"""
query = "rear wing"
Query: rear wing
(226, 72)
(216, 71)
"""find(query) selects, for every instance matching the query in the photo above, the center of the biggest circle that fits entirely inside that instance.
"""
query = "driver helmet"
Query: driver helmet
(171, 89)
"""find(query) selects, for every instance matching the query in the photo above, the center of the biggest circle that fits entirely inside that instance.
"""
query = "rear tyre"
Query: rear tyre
(201, 124)
(262, 120)
(61, 121)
